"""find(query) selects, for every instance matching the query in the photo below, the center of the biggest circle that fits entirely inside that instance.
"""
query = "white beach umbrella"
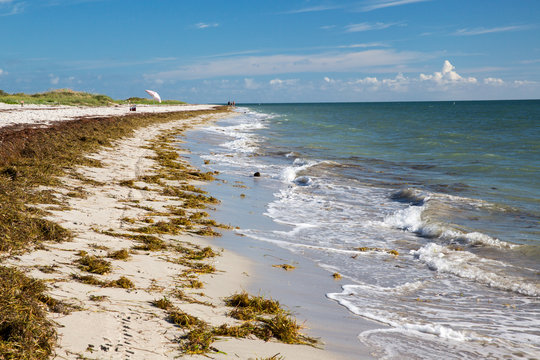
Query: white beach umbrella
(154, 94)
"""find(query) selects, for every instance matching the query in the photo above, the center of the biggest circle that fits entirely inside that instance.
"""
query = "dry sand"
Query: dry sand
(124, 324)
(44, 114)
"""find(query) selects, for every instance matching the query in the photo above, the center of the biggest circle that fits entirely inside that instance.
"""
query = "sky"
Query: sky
(262, 51)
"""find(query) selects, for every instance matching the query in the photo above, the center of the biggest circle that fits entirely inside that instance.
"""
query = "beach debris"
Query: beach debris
(286, 267)
(257, 174)
(388, 251)
(93, 264)
(336, 276)
(119, 254)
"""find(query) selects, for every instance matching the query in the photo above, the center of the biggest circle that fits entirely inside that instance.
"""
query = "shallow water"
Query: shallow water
(452, 187)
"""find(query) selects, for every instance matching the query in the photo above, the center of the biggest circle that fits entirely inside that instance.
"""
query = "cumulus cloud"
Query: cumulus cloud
(493, 81)
(398, 83)
(368, 81)
(447, 76)
(279, 82)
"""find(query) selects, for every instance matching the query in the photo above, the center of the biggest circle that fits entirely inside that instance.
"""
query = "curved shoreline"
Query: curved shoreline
(112, 199)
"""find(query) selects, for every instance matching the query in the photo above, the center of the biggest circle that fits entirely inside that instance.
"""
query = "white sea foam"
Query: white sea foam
(412, 219)
(467, 265)
(397, 322)
(290, 173)
(429, 311)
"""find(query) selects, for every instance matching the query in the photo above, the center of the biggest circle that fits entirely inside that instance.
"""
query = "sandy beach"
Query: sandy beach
(105, 322)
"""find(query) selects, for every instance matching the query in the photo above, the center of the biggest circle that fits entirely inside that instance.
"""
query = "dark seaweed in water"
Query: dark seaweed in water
(409, 196)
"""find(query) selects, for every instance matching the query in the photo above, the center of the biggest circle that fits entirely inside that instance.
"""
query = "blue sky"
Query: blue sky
(274, 51)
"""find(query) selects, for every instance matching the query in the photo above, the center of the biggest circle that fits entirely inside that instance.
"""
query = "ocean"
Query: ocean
(429, 211)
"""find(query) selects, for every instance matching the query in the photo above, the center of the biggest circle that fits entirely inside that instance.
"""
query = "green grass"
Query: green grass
(74, 98)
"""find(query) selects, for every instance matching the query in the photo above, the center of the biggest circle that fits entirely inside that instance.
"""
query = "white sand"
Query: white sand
(125, 325)
(45, 114)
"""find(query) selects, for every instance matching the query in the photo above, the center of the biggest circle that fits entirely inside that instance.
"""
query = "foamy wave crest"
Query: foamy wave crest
(411, 219)
(397, 322)
(467, 265)
(441, 331)
(290, 173)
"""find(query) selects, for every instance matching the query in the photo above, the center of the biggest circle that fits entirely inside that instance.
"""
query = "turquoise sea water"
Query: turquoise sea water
(452, 187)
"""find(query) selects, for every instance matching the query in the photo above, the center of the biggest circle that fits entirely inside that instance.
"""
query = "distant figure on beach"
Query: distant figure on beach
(22, 103)
(133, 107)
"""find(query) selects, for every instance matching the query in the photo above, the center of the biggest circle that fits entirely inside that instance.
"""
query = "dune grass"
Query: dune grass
(71, 97)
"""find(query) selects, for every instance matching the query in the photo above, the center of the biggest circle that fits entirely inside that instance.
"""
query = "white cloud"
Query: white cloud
(482, 31)
(283, 64)
(328, 80)
(313, 9)
(365, 45)
(205, 25)
(1, 72)
(10, 7)
(447, 76)
(280, 83)
(388, 3)
(524, 82)
(493, 81)
(532, 61)
(367, 26)
(368, 81)
(398, 83)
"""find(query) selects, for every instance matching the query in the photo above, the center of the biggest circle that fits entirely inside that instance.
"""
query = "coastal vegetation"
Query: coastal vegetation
(71, 97)
(262, 318)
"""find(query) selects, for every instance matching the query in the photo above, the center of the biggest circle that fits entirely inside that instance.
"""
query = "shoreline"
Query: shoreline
(303, 289)
(110, 199)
